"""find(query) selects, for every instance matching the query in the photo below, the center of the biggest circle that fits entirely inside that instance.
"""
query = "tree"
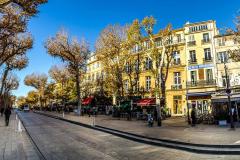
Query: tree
(73, 52)
(15, 63)
(32, 98)
(28, 7)
(161, 57)
(13, 25)
(39, 82)
(60, 75)
(109, 50)
(133, 51)
(11, 83)
(21, 100)
(235, 54)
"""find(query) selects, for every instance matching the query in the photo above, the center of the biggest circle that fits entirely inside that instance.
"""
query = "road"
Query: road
(60, 140)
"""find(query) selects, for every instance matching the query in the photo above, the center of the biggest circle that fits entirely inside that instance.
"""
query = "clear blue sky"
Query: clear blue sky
(86, 18)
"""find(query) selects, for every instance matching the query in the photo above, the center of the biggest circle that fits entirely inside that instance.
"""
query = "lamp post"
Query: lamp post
(228, 91)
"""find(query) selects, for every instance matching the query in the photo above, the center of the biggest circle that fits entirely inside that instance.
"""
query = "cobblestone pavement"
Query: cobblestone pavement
(60, 140)
(173, 128)
(15, 145)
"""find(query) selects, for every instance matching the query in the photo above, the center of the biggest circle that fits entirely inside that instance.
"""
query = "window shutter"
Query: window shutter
(201, 74)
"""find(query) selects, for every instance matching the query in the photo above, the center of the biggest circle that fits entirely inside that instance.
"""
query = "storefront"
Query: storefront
(146, 106)
(87, 104)
(201, 101)
(221, 109)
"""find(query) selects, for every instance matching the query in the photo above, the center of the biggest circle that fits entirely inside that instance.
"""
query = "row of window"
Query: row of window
(148, 64)
(177, 79)
(94, 66)
(207, 55)
(206, 38)
(94, 76)
(198, 28)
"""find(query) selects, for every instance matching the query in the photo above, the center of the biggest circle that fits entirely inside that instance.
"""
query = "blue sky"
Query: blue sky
(86, 18)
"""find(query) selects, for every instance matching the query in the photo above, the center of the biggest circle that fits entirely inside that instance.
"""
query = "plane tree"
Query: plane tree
(73, 52)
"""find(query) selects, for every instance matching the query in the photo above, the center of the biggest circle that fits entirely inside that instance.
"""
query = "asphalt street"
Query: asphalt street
(59, 140)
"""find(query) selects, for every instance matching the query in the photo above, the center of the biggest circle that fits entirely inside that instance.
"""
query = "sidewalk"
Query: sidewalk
(173, 129)
(15, 145)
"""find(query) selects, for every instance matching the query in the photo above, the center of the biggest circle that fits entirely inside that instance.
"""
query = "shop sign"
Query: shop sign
(200, 66)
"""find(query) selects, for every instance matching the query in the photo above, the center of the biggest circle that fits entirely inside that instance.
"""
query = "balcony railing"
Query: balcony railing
(207, 60)
(191, 43)
(176, 63)
(221, 44)
(211, 82)
(192, 61)
(176, 86)
(206, 41)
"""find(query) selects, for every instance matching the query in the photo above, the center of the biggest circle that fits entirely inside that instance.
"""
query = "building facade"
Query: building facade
(196, 72)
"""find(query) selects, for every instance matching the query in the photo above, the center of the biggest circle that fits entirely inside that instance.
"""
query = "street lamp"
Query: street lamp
(228, 91)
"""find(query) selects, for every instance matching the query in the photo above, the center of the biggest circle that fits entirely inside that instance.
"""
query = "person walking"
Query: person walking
(7, 115)
(193, 116)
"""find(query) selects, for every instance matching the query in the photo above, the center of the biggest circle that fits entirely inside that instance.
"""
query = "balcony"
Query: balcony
(176, 63)
(201, 83)
(191, 43)
(206, 41)
(221, 44)
(192, 61)
(207, 60)
(176, 87)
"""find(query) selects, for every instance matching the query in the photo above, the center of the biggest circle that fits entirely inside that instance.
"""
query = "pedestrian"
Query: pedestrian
(193, 116)
(89, 112)
(7, 115)
(150, 120)
(2, 110)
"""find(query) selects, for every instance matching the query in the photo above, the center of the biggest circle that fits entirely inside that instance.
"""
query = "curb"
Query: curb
(191, 147)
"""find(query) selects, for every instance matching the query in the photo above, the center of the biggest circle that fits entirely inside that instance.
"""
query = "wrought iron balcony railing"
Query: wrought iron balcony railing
(176, 86)
(211, 82)
(191, 43)
(206, 41)
(192, 61)
(176, 63)
(207, 59)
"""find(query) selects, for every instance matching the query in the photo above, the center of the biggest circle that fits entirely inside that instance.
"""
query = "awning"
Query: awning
(125, 104)
(87, 101)
(146, 102)
(200, 94)
(224, 98)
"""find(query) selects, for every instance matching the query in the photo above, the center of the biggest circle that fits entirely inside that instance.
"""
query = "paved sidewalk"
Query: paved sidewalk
(173, 129)
(15, 145)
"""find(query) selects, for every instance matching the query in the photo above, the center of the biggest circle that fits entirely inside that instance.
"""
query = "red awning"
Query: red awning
(146, 102)
(87, 101)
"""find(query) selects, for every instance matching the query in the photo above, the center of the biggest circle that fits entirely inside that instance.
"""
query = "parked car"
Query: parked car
(26, 108)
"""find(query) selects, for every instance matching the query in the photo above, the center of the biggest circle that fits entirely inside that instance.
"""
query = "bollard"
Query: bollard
(63, 114)
(19, 126)
(93, 121)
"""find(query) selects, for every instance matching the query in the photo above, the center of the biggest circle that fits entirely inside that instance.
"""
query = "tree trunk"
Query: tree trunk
(78, 91)
(3, 80)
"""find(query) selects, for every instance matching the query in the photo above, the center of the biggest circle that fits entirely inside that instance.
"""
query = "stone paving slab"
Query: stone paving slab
(174, 129)
(60, 140)
(15, 145)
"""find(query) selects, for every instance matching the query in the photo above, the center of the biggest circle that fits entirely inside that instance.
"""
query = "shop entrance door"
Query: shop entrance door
(177, 106)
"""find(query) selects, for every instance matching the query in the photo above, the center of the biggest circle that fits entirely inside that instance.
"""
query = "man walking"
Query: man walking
(7, 115)
(193, 116)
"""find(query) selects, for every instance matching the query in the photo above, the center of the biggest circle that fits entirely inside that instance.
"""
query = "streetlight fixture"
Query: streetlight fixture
(228, 91)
